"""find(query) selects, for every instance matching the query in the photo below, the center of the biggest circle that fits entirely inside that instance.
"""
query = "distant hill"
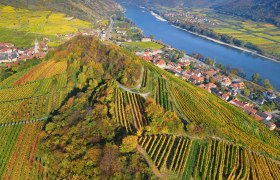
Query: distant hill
(258, 10)
(82, 9)
(174, 3)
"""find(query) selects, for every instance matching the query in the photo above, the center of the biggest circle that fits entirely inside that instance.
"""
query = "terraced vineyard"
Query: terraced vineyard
(196, 105)
(26, 98)
(129, 110)
(159, 88)
(32, 100)
(214, 159)
(18, 152)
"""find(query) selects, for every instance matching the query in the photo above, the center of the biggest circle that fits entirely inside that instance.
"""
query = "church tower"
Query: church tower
(36, 48)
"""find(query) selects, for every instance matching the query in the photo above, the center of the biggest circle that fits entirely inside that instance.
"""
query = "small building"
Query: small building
(269, 124)
(238, 103)
(226, 82)
(184, 59)
(269, 95)
(186, 77)
(264, 115)
(6, 50)
(225, 97)
(146, 39)
(260, 101)
(184, 64)
(249, 110)
(147, 58)
(172, 65)
(161, 64)
(210, 86)
(196, 79)
(277, 101)
(210, 72)
(6, 45)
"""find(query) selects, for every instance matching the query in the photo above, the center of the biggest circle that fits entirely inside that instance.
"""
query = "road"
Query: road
(108, 31)
(144, 95)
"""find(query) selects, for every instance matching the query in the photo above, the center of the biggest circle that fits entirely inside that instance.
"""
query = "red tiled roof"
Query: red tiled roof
(250, 110)
(258, 118)
(160, 62)
(225, 95)
(238, 103)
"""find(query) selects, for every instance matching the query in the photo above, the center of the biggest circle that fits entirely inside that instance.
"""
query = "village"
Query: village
(189, 17)
(211, 79)
(11, 55)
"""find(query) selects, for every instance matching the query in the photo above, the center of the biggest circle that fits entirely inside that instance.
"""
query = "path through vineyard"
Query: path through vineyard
(151, 163)
(144, 95)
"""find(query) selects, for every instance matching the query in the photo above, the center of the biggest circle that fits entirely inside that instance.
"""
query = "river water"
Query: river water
(182, 40)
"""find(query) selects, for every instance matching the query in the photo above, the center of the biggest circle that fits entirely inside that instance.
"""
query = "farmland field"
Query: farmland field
(263, 35)
(21, 26)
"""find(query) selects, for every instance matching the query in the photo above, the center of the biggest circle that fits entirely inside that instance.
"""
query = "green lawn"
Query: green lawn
(144, 45)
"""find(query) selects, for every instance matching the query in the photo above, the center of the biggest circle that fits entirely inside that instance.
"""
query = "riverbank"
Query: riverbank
(226, 44)
(159, 17)
(235, 57)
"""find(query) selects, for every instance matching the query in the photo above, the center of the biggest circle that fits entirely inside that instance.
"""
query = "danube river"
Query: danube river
(182, 40)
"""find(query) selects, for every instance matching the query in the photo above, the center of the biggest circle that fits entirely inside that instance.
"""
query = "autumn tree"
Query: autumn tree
(256, 77)
(129, 144)
(267, 84)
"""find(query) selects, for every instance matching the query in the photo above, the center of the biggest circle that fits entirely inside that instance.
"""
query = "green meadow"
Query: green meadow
(143, 45)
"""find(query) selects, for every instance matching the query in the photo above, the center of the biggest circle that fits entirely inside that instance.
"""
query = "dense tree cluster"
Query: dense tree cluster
(83, 141)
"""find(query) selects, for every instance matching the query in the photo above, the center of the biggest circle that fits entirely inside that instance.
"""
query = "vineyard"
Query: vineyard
(214, 159)
(32, 100)
(196, 105)
(129, 110)
(18, 152)
(159, 88)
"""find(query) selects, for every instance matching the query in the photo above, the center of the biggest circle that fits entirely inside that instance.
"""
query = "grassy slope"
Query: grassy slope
(144, 45)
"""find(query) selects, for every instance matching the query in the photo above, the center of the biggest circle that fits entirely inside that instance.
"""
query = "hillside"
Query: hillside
(91, 110)
(83, 9)
(257, 10)
(177, 3)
